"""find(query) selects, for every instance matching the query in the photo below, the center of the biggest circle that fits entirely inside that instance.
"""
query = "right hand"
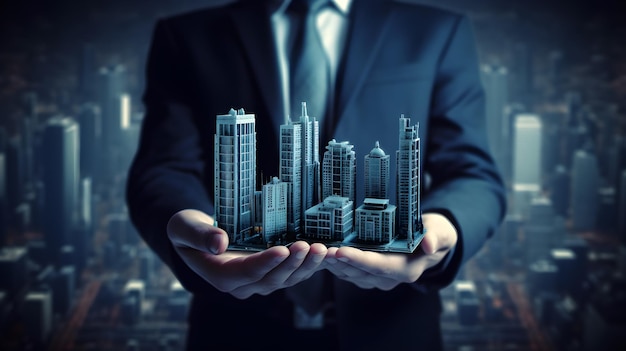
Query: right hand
(203, 246)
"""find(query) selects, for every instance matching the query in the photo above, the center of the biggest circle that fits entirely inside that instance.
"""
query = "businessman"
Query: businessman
(359, 64)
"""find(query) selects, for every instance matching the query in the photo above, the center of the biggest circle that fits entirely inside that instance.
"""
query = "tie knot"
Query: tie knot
(308, 6)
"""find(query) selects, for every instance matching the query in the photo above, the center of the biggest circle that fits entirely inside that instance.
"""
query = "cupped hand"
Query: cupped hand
(203, 247)
(385, 271)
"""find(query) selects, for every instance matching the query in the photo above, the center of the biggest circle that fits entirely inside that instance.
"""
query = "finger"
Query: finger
(362, 278)
(399, 267)
(275, 278)
(194, 229)
(230, 271)
(311, 264)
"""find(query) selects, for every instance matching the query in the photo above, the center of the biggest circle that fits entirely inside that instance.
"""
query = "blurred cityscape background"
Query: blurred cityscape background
(74, 275)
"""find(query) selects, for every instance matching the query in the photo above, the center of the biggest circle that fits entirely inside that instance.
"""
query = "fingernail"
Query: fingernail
(343, 259)
(214, 244)
(318, 258)
(331, 260)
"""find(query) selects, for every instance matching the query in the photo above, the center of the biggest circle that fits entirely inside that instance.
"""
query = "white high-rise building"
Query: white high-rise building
(274, 209)
(376, 221)
(526, 161)
(377, 174)
(291, 172)
(527, 166)
(408, 180)
(330, 220)
(584, 193)
(310, 160)
(235, 173)
(339, 170)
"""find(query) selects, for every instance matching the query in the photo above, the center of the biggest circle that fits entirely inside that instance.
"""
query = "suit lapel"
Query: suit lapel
(255, 32)
(367, 29)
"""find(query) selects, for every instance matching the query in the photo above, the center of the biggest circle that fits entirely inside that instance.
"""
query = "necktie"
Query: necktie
(309, 72)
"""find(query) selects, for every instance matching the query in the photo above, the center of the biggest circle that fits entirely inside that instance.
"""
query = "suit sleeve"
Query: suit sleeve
(168, 171)
(465, 184)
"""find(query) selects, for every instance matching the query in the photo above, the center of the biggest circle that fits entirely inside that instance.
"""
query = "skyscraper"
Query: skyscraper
(310, 160)
(495, 81)
(90, 121)
(339, 170)
(584, 194)
(408, 180)
(376, 167)
(112, 85)
(235, 173)
(527, 160)
(61, 181)
(291, 172)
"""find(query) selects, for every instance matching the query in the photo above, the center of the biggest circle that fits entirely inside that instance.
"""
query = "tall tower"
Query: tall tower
(377, 173)
(584, 193)
(291, 172)
(495, 81)
(526, 161)
(61, 181)
(339, 170)
(310, 160)
(408, 180)
(235, 173)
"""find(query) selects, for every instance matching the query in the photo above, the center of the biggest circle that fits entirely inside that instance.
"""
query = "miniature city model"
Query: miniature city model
(301, 205)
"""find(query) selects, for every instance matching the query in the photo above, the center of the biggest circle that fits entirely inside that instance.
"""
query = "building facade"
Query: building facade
(376, 166)
(291, 172)
(274, 209)
(330, 220)
(61, 182)
(376, 221)
(235, 173)
(408, 179)
(339, 170)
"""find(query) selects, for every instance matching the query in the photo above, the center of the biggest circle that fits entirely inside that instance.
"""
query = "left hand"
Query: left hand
(385, 271)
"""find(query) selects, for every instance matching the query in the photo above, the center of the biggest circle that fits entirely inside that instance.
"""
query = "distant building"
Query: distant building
(584, 191)
(527, 160)
(235, 173)
(60, 154)
(408, 180)
(37, 316)
(622, 208)
(376, 167)
(541, 232)
(330, 220)
(495, 81)
(339, 170)
(274, 209)
(13, 269)
(376, 221)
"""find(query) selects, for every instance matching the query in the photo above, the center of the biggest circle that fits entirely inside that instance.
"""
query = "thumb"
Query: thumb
(440, 235)
(194, 229)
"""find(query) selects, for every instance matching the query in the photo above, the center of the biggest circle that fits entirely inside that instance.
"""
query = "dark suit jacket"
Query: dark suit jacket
(399, 58)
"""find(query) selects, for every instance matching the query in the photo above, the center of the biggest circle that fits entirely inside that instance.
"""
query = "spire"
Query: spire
(304, 111)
